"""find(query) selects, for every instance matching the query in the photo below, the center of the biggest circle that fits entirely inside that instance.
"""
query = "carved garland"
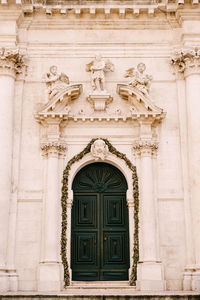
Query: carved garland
(64, 199)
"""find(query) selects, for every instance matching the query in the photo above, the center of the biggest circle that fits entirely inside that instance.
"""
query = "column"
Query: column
(188, 62)
(150, 275)
(192, 78)
(50, 271)
(10, 64)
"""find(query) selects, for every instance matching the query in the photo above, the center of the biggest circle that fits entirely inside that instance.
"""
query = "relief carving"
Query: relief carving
(99, 150)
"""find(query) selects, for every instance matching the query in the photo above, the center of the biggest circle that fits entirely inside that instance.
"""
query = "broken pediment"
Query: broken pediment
(140, 104)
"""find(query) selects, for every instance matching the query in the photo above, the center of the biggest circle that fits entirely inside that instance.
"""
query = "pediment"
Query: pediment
(59, 103)
(140, 103)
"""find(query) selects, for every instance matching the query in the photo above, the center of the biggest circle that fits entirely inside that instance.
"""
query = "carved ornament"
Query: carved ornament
(60, 94)
(11, 62)
(136, 93)
(186, 62)
(53, 148)
(99, 150)
(145, 147)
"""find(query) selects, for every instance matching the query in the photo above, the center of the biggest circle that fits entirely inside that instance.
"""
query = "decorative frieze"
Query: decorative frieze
(186, 62)
(53, 148)
(145, 147)
(11, 62)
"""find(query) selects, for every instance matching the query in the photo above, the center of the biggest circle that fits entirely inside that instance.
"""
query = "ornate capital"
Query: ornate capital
(186, 62)
(145, 147)
(53, 149)
(11, 62)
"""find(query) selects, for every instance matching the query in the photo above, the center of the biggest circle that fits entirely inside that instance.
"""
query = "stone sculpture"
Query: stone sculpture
(97, 68)
(139, 79)
(56, 82)
(99, 149)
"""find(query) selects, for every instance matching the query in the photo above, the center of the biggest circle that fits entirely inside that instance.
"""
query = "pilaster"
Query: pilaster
(187, 62)
(50, 271)
(11, 64)
(150, 268)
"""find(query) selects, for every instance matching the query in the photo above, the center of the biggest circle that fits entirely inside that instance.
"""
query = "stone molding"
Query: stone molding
(147, 6)
(145, 147)
(11, 62)
(186, 62)
(56, 149)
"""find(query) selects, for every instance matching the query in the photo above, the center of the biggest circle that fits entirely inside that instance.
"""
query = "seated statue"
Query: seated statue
(139, 79)
(56, 82)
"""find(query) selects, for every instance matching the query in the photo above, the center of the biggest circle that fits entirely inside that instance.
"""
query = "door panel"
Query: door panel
(100, 233)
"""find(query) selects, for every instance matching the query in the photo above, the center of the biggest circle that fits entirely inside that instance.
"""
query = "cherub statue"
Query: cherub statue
(98, 67)
(139, 79)
(99, 149)
(56, 82)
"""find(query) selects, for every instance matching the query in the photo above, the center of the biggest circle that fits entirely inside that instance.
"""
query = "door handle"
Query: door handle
(105, 238)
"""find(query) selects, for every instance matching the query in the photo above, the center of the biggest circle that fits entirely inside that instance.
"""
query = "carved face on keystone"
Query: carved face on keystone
(98, 57)
(141, 67)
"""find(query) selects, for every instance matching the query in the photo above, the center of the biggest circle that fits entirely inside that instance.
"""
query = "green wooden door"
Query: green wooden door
(100, 230)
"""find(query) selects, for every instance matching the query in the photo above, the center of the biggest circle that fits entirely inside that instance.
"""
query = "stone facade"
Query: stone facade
(123, 71)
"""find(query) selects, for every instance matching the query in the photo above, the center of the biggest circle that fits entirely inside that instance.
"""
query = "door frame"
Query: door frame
(119, 164)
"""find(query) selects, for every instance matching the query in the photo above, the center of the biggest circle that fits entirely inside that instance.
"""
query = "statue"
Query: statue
(56, 82)
(99, 149)
(98, 67)
(139, 79)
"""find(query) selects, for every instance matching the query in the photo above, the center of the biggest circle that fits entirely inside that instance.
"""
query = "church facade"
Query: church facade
(99, 156)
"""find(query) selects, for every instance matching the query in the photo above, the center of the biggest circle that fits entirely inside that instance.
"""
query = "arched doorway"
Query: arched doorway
(100, 226)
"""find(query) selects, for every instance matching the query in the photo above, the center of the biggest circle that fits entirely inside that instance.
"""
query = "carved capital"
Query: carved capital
(11, 62)
(145, 148)
(55, 149)
(186, 62)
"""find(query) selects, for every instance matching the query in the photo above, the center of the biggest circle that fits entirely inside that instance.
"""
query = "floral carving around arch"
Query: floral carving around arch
(64, 199)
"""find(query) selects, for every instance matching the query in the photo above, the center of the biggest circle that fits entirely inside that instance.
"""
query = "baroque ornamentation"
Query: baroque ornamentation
(97, 67)
(145, 147)
(99, 150)
(139, 79)
(53, 148)
(99, 97)
(64, 203)
(11, 61)
(136, 93)
(186, 61)
(60, 94)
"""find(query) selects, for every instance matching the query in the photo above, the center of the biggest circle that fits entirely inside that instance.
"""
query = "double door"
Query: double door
(100, 236)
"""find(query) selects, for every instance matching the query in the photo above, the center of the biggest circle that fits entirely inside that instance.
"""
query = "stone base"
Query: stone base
(150, 277)
(191, 278)
(99, 100)
(4, 281)
(50, 277)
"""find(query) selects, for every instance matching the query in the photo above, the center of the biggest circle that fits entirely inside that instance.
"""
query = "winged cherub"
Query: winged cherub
(97, 68)
(56, 82)
(139, 79)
